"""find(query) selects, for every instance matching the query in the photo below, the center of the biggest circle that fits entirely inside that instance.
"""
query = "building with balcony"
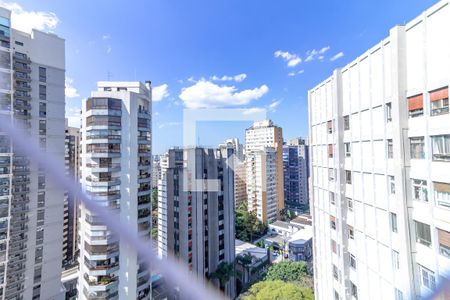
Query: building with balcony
(196, 210)
(32, 73)
(380, 148)
(295, 170)
(116, 172)
(264, 169)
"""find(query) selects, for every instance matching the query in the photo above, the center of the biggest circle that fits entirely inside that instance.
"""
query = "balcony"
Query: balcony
(22, 77)
(104, 281)
(20, 57)
(95, 181)
(22, 67)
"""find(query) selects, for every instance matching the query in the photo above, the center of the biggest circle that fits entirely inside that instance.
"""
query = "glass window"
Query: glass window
(442, 193)
(391, 184)
(441, 147)
(423, 233)
(395, 260)
(348, 177)
(419, 190)
(351, 233)
(390, 148)
(346, 122)
(349, 204)
(330, 126)
(388, 112)
(352, 261)
(42, 74)
(332, 200)
(42, 92)
(444, 242)
(427, 278)
(354, 290)
(348, 149)
(393, 222)
(335, 272)
(417, 147)
(398, 294)
(331, 174)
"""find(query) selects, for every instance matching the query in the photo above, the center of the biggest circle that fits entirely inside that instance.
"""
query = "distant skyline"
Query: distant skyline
(244, 54)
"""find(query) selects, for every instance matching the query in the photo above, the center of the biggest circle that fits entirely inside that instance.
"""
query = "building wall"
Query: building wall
(362, 173)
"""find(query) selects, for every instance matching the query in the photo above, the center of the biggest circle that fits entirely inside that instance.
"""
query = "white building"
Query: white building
(380, 147)
(295, 168)
(264, 169)
(32, 73)
(116, 172)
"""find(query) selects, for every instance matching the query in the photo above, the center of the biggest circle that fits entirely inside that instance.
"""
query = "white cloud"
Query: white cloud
(27, 20)
(106, 37)
(205, 94)
(73, 116)
(169, 124)
(296, 73)
(316, 54)
(70, 91)
(291, 59)
(108, 49)
(237, 78)
(337, 56)
(160, 92)
(253, 110)
(274, 105)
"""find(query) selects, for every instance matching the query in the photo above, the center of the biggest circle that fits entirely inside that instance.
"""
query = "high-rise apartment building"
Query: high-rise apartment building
(195, 218)
(240, 180)
(295, 168)
(116, 172)
(72, 164)
(264, 169)
(32, 67)
(156, 170)
(380, 148)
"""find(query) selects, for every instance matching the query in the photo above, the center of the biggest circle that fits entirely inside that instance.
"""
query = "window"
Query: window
(415, 106)
(442, 193)
(349, 204)
(42, 109)
(351, 233)
(335, 272)
(42, 92)
(352, 261)
(439, 101)
(398, 294)
(42, 74)
(330, 150)
(333, 222)
(441, 147)
(388, 112)
(331, 174)
(336, 295)
(346, 122)
(42, 127)
(390, 149)
(354, 290)
(395, 260)
(427, 278)
(334, 246)
(348, 149)
(417, 147)
(444, 242)
(330, 126)
(332, 200)
(391, 185)
(423, 233)
(348, 177)
(419, 190)
(393, 222)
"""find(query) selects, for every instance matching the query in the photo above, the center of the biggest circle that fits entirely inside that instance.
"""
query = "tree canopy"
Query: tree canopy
(279, 290)
(248, 227)
(287, 271)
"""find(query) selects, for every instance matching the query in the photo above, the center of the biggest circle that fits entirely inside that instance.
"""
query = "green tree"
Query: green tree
(266, 290)
(287, 271)
(224, 272)
(247, 225)
(154, 199)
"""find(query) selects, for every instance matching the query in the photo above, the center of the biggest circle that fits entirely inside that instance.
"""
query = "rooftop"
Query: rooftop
(242, 247)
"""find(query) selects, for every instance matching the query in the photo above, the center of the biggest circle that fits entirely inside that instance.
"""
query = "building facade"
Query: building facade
(32, 73)
(196, 225)
(380, 136)
(295, 166)
(116, 172)
(72, 164)
(264, 166)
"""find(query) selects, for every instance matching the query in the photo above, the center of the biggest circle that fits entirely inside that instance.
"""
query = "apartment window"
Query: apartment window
(417, 147)
(37, 292)
(439, 101)
(330, 126)
(332, 200)
(415, 106)
(42, 109)
(423, 233)
(444, 242)
(346, 122)
(393, 222)
(427, 278)
(351, 233)
(333, 222)
(442, 193)
(37, 274)
(334, 246)
(336, 295)
(38, 255)
(388, 112)
(390, 148)
(42, 92)
(330, 150)
(398, 294)
(42, 74)
(41, 199)
(348, 149)
(348, 177)
(331, 174)
(391, 185)
(441, 147)
(395, 260)
(419, 190)
(353, 290)
(40, 218)
(349, 204)
(352, 261)
(335, 272)
(42, 127)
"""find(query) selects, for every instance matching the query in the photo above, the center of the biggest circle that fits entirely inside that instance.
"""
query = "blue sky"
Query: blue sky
(253, 54)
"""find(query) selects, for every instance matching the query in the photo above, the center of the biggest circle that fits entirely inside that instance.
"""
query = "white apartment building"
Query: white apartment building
(380, 147)
(295, 168)
(32, 72)
(116, 172)
(264, 169)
